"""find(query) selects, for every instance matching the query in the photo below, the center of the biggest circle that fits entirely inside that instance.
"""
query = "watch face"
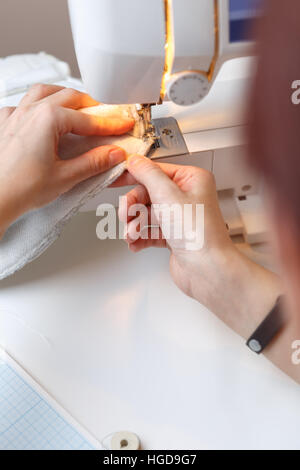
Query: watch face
(241, 15)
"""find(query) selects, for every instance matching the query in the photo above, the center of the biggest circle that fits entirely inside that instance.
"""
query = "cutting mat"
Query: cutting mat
(31, 419)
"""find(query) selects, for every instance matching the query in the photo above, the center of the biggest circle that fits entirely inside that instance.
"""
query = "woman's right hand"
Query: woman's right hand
(239, 291)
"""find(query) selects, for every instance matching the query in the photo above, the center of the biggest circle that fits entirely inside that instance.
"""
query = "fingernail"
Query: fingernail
(117, 156)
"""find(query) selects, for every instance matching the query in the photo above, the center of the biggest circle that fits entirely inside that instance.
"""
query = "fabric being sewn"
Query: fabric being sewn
(35, 231)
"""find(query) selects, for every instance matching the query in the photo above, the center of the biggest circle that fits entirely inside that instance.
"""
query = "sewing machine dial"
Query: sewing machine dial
(187, 88)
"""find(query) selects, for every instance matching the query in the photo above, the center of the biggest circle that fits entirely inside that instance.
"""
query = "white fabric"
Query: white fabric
(34, 232)
(19, 72)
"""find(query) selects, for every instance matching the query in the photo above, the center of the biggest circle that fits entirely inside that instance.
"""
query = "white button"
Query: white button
(125, 440)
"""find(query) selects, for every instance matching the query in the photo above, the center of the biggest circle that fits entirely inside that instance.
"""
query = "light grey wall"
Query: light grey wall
(34, 26)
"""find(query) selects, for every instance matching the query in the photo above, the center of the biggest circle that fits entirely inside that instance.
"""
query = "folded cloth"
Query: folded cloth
(35, 231)
(20, 72)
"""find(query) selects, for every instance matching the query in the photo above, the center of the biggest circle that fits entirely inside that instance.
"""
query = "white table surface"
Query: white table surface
(109, 336)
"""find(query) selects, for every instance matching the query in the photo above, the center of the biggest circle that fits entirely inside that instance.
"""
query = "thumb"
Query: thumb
(91, 163)
(150, 175)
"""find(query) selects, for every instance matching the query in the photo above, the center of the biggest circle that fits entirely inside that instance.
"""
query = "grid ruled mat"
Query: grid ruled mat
(30, 419)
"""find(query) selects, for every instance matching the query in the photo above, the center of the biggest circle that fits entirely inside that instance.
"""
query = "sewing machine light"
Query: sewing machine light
(169, 47)
(187, 86)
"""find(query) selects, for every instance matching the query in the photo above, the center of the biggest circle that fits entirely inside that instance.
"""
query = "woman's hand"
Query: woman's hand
(31, 172)
(239, 291)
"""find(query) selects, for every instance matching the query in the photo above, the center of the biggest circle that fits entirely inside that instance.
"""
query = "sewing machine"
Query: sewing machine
(106, 333)
(188, 64)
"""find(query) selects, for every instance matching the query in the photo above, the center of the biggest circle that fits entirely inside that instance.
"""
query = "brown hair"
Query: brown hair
(275, 120)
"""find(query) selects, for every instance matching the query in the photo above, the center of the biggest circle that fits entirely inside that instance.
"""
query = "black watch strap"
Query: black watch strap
(266, 331)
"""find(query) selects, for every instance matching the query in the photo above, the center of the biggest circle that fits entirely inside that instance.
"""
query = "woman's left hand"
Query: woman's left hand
(31, 172)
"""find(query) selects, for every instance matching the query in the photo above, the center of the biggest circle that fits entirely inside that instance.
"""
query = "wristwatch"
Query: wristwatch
(268, 329)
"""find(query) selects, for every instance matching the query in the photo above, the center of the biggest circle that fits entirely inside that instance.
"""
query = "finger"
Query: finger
(87, 124)
(89, 164)
(143, 226)
(190, 178)
(126, 179)
(159, 186)
(148, 231)
(70, 98)
(38, 92)
(187, 178)
(5, 113)
(138, 195)
(140, 245)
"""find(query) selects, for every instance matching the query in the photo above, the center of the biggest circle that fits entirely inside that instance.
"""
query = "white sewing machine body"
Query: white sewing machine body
(140, 52)
(178, 52)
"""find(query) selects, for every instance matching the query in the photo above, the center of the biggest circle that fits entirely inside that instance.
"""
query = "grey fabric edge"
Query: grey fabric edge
(56, 232)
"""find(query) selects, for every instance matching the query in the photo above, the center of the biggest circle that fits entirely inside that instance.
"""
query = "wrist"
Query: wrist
(240, 292)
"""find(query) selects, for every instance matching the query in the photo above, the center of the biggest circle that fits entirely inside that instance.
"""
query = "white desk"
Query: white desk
(120, 347)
